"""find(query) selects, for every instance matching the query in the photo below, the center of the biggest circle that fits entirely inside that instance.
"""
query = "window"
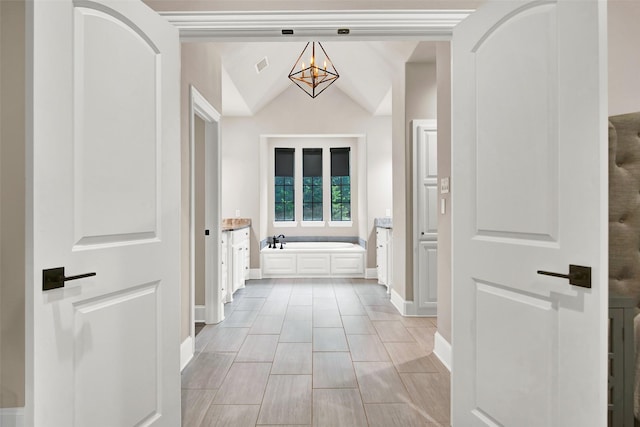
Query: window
(284, 202)
(312, 184)
(340, 185)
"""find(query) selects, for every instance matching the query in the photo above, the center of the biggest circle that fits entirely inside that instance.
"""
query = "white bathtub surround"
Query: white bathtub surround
(313, 259)
(306, 239)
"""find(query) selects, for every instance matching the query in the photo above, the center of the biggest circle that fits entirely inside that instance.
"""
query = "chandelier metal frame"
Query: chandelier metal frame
(314, 79)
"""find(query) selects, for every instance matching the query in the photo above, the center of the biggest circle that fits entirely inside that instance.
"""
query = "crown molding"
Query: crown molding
(323, 25)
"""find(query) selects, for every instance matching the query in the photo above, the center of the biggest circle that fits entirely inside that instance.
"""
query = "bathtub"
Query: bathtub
(313, 259)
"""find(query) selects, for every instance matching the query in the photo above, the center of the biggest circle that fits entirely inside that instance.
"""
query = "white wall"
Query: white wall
(401, 174)
(294, 112)
(443, 58)
(624, 56)
(413, 97)
(200, 68)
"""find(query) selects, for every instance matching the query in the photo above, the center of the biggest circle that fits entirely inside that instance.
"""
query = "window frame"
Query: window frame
(298, 143)
(313, 185)
(342, 186)
(293, 186)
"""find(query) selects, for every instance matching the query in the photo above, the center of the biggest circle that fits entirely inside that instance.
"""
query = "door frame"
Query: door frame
(365, 25)
(200, 107)
(260, 26)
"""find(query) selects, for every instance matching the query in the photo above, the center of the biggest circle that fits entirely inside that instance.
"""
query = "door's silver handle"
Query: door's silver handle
(54, 278)
(578, 275)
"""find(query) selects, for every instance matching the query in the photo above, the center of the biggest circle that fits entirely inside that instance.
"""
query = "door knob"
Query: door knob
(54, 278)
(578, 275)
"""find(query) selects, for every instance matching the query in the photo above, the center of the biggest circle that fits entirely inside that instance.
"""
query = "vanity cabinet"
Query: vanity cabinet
(235, 259)
(383, 256)
(240, 257)
(225, 295)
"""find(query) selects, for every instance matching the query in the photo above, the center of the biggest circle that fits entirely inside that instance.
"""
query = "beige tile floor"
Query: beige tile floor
(321, 352)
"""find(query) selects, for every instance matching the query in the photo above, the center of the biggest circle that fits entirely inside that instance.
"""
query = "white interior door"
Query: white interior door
(103, 182)
(530, 193)
(425, 141)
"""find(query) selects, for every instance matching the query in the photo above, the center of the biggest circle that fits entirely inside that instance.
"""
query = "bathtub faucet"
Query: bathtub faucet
(275, 240)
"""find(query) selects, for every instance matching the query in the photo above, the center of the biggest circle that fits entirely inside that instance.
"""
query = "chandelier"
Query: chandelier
(318, 75)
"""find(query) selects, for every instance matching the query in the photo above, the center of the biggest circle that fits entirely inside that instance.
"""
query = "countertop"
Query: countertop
(384, 222)
(230, 224)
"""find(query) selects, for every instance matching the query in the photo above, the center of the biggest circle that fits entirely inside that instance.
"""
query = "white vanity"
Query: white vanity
(235, 256)
(384, 234)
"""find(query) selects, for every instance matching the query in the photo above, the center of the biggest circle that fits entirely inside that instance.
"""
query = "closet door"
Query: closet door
(425, 141)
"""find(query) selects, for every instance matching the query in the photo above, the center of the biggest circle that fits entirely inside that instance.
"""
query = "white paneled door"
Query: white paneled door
(425, 140)
(103, 182)
(530, 194)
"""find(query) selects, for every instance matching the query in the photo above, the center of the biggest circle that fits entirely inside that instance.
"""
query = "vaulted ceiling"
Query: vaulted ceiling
(366, 71)
(248, 31)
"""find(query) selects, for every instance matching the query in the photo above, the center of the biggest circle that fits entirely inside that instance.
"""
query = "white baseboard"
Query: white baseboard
(406, 308)
(442, 350)
(409, 308)
(255, 274)
(12, 417)
(397, 301)
(186, 354)
(371, 273)
(200, 313)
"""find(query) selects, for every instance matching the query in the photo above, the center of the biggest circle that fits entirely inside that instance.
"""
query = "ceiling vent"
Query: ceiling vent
(262, 64)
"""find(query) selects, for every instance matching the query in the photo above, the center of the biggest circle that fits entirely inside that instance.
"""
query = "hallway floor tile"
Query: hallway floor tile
(321, 352)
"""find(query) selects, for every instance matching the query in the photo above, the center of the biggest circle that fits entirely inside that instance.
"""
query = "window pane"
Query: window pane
(340, 184)
(288, 214)
(317, 194)
(284, 161)
(317, 212)
(312, 184)
(312, 162)
(279, 212)
(340, 161)
(284, 184)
